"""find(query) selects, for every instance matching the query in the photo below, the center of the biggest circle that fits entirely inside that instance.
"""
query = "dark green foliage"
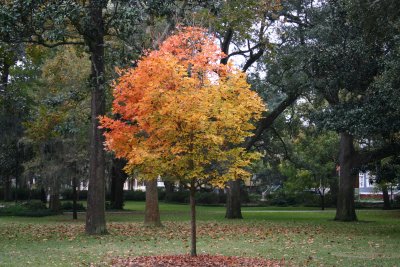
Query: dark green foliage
(306, 198)
(69, 206)
(28, 209)
(177, 197)
(24, 193)
(68, 195)
(207, 198)
(161, 194)
(135, 195)
(202, 198)
(34, 205)
(254, 198)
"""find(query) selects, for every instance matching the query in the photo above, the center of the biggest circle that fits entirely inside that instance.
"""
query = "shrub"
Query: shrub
(23, 193)
(70, 206)
(12, 210)
(207, 198)
(222, 198)
(29, 209)
(178, 197)
(254, 198)
(135, 195)
(161, 194)
(68, 195)
(34, 205)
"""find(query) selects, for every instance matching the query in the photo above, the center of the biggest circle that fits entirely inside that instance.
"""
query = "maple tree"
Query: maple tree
(182, 114)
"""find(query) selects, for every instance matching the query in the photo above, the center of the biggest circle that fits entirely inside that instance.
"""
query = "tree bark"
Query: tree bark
(7, 188)
(345, 210)
(233, 207)
(152, 212)
(118, 178)
(193, 250)
(94, 38)
(386, 198)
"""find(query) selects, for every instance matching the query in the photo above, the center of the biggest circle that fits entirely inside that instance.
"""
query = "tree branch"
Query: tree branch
(225, 45)
(267, 121)
(365, 157)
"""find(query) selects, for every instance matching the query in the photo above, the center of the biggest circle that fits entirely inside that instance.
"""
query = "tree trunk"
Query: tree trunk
(152, 212)
(345, 210)
(55, 203)
(7, 189)
(169, 189)
(322, 201)
(94, 38)
(233, 207)
(43, 195)
(386, 199)
(118, 178)
(74, 199)
(193, 250)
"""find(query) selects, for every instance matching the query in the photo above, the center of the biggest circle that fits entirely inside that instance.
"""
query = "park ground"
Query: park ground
(296, 236)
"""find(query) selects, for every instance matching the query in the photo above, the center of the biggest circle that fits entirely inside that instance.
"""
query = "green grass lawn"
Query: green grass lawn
(300, 237)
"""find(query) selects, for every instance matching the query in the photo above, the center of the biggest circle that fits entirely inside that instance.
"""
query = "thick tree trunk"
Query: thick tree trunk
(118, 178)
(94, 38)
(74, 199)
(152, 212)
(386, 198)
(7, 189)
(345, 210)
(193, 250)
(233, 208)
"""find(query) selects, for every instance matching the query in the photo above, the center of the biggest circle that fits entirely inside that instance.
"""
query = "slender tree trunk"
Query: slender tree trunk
(322, 201)
(233, 207)
(94, 38)
(345, 210)
(193, 250)
(55, 203)
(7, 188)
(5, 72)
(152, 212)
(74, 199)
(16, 173)
(118, 178)
(386, 199)
(43, 195)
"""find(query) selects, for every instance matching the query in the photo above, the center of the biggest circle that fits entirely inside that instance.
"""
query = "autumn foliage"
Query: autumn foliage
(182, 114)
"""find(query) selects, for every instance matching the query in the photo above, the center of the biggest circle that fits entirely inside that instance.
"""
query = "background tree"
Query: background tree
(54, 23)
(15, 105)
(345, 65)
(312, 163)
(57, 128)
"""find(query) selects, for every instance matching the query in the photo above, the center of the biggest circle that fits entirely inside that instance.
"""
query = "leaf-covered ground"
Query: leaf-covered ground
(299, 238)
(200, 260)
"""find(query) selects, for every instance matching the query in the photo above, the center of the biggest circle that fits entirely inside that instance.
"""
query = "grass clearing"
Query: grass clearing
(302, 238)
